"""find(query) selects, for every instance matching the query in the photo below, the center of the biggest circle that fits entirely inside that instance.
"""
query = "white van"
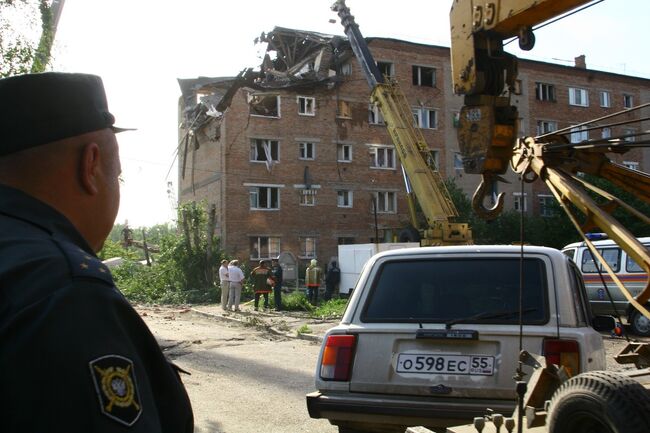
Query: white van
(627, 270)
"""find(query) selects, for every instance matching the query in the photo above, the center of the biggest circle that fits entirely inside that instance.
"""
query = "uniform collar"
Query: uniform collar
(19, 205)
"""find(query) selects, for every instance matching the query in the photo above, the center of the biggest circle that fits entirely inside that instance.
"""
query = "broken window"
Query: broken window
(264, 197)
(374, 115)
(264, 105)
(307, 151)
(544, 92)
(424, 76)
(263, 150)
(306, 106)
(387, 69)
(344, 109)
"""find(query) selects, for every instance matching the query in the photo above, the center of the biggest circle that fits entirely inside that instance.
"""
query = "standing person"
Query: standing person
(236, 277)
(313, 277)
(332, 278)
(261, 277)
(224, 284)
(75, 355)
(276, 274)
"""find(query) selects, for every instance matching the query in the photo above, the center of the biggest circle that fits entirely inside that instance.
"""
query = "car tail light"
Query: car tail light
(564, 353)
(337, 357)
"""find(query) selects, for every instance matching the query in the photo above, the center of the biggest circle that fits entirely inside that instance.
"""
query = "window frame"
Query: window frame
(254, 142)
(304, 149)
(278, 105)
(347, 195)
(517, 201)
(577, 132)
(546, 205)
(546, 126)
(255, 192)
(304, 104)
(387, 198)
(605, 98)
(422, 113)
(271, 254)
(628, 100)
(305, 242)
(340, 153)
(545, 92)
(578, 102)
(418, 77)
(343, 114)
(389, 157)
(383, 64)
(374, 115)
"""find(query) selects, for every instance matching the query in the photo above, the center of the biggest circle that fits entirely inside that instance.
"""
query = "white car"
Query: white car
(430, 335)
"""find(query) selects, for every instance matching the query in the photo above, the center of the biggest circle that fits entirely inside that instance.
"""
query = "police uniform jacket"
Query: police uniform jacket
(74, 355)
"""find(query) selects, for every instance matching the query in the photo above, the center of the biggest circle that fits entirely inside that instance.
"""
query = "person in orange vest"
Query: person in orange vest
(261, 278)
(313, 277)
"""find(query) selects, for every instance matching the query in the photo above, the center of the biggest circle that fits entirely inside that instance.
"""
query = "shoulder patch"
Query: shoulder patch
(83, 264)
(116, 388)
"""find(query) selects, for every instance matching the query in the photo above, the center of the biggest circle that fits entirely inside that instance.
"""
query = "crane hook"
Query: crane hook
(479, 196)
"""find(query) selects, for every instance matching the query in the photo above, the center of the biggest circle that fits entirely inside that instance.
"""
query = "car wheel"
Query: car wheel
(600, 402)
(640, 324)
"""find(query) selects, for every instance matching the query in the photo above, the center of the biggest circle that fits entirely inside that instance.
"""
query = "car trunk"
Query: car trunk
(455, 368)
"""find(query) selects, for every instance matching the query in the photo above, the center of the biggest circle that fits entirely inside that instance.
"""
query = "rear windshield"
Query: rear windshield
(474, 289)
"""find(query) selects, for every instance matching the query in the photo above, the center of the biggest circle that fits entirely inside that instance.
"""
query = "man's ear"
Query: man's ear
(90, 169)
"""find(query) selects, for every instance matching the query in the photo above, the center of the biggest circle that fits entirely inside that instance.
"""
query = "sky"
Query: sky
(141, 47)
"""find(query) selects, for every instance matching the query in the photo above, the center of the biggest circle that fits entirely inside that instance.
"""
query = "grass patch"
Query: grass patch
(304, 329)
(332, 309)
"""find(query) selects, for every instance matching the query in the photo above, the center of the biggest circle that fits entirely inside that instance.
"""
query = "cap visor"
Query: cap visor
(117, 130)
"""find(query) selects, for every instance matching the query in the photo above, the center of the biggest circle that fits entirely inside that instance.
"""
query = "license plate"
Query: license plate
(473, 365)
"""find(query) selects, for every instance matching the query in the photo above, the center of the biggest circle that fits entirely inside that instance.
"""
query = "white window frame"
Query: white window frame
(578, 97)
(417, 76)
(545, 200)
(374, 115)
(267, 145)
(632, 165)
(382, 64)
(382, 157)
(341, 152)
(386, 202)
(308, 247)
(306, 105)
(264, 192)
(606, 132)
(272, 247)
(344, 198)
(346, 69)
(422, 117)
(579, 134)
(545, 92)
(518, 200)
(628, 100)
(605, 99)
(546, 126)
(307, 150)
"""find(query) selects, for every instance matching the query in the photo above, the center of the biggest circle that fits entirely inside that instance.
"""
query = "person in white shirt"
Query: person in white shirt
(224, 284)
(236, 277)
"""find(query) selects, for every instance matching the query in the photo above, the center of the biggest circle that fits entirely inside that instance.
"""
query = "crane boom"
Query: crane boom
(414, 154)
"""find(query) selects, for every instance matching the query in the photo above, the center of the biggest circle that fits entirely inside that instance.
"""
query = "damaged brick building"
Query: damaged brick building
(292, 158)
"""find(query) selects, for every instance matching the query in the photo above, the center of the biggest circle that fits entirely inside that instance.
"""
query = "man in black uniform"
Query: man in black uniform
(74, 355)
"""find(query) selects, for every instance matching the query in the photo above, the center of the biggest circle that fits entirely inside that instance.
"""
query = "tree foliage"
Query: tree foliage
(180, 272)
(26, 36)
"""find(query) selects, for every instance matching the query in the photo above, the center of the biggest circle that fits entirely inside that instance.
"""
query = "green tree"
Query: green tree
(23, 48)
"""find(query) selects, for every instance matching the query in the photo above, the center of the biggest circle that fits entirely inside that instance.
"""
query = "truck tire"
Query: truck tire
(639, 324)
(600, 402)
